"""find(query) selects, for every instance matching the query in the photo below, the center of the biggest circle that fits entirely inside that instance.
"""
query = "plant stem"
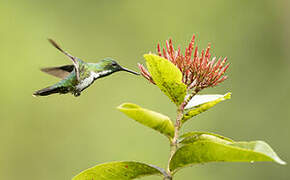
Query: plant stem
(177, 126)
(174, 143)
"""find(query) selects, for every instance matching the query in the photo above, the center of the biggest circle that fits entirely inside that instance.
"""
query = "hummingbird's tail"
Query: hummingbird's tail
(47, 91)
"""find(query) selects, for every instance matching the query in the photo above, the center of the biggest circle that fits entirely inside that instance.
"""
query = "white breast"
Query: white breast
(89, 80)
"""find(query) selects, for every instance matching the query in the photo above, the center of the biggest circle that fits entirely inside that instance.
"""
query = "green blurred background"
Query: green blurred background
(56, 137)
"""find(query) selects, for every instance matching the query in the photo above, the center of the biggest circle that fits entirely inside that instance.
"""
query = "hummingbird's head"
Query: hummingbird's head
(113, 66)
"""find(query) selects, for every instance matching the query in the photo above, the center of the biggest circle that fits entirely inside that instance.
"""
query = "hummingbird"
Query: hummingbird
(79, 75)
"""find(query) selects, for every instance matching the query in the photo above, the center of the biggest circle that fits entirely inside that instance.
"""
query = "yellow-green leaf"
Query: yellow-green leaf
(201, 103)
(167, 77)
(191, 137)
(154, 120)
(125, 170)
(208, 147)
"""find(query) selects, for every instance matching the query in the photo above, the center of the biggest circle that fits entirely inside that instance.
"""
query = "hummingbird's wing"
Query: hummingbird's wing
(75, 62)
(60, 71)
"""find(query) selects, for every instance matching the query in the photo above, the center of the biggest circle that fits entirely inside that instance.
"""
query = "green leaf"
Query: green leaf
(125, 170)
(208, 147)
(198, 100)
(191, 137)
(154, 120)
(201, 103)
(167, 77)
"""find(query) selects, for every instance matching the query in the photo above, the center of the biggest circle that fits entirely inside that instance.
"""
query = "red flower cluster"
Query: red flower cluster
(199, 70)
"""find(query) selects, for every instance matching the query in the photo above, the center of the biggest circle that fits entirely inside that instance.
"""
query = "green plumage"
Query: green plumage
(79, 76)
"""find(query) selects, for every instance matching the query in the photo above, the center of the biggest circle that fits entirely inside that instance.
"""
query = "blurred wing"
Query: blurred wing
(60, 72)
(75, 62)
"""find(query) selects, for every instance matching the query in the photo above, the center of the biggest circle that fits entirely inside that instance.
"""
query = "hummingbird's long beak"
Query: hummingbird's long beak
(130, 71)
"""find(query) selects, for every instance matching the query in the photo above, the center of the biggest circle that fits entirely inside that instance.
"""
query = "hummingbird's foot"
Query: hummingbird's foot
(76, 93)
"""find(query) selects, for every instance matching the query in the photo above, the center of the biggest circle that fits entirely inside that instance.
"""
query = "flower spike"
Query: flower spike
(199, 70)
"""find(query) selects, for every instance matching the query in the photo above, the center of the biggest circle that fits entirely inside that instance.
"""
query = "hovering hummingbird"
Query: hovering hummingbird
(78, 76)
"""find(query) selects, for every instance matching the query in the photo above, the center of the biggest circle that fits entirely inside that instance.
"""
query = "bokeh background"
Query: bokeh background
(56, 137)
